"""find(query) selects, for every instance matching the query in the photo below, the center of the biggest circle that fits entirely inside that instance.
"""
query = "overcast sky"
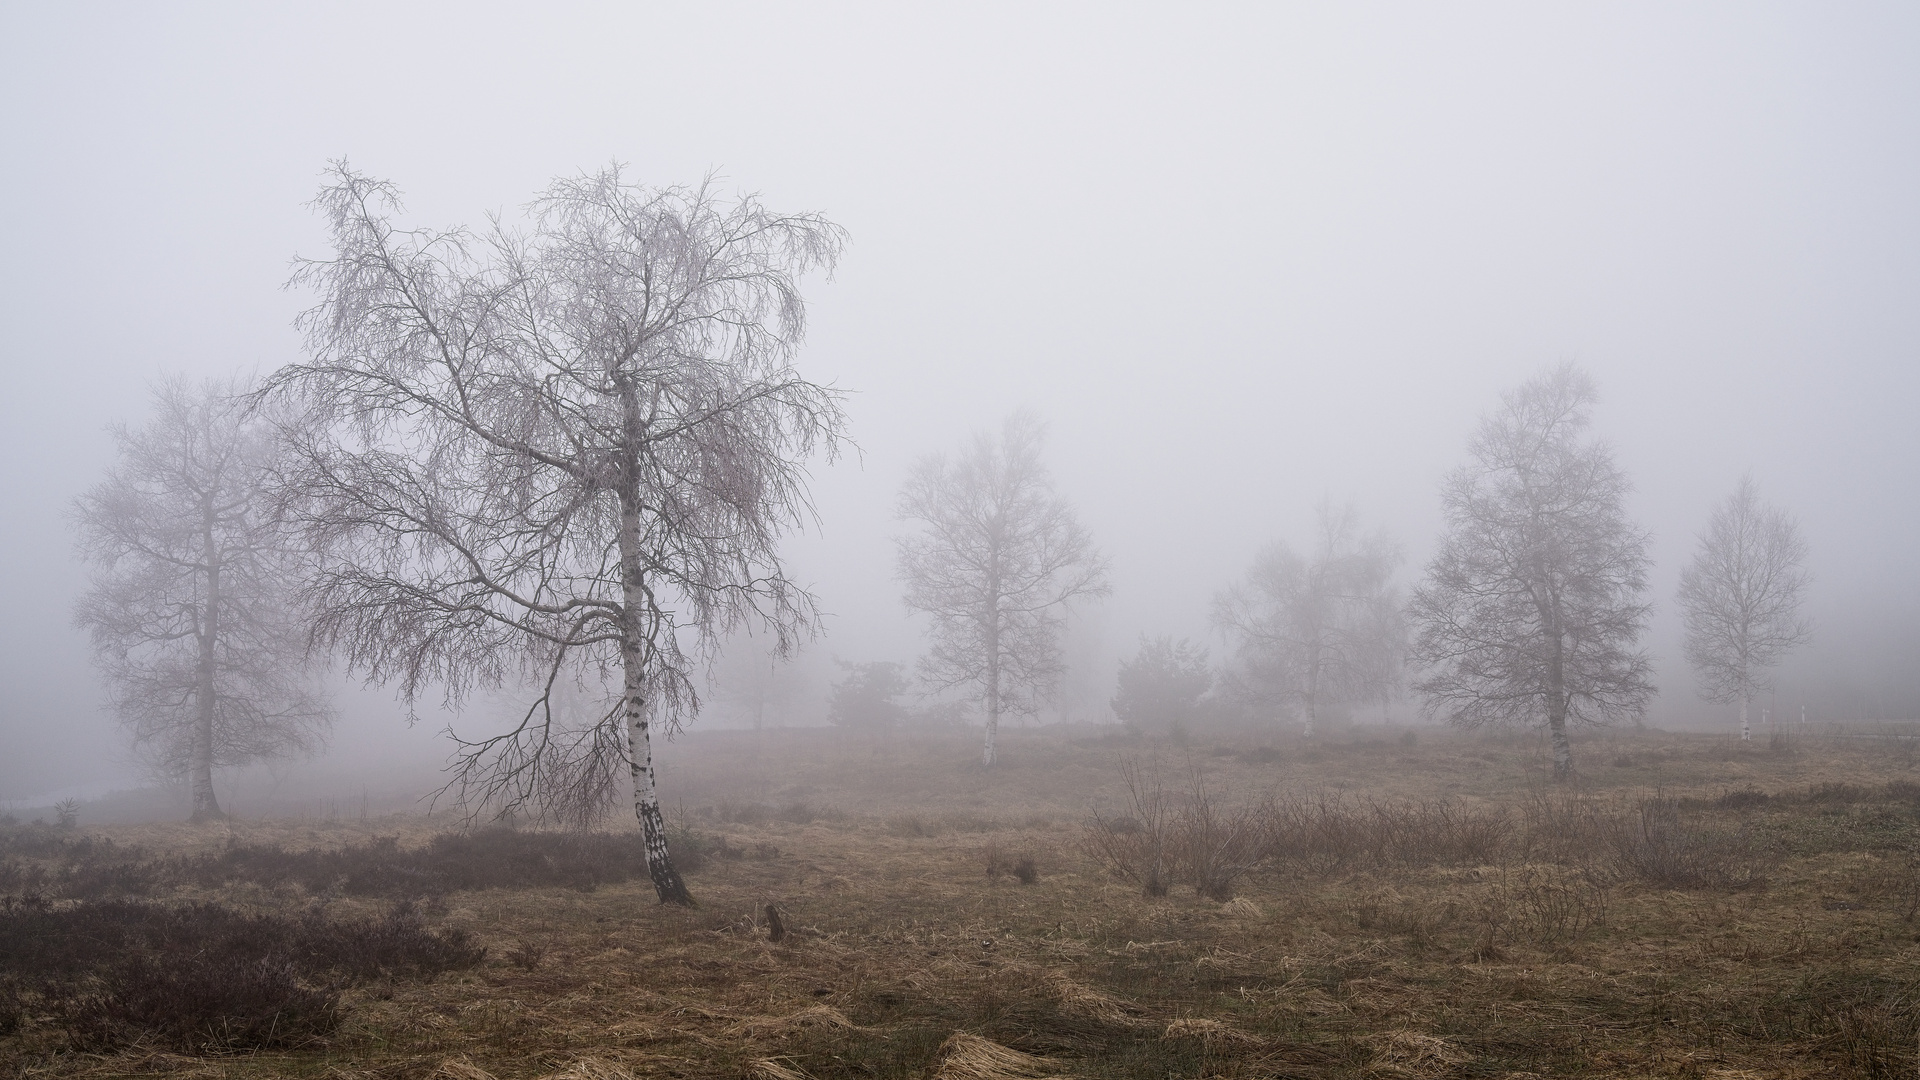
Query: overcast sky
(1240, 258)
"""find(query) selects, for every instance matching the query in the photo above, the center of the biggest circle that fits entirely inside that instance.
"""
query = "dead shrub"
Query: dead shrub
(1214, 844)
(1133, 843)
(1542, 907)
(220, 1001)
(1669, 847)
(1187, 838)
(1327, 833)
(205, 976)
(1023, 869)
(527, 955)
(1564, 826)
(494, 857)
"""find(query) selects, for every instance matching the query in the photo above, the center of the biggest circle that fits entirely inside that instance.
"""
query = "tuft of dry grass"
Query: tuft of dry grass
(760, 1028)
(1214, 1033)
(459, 1069)
(965, 1056)
(591, 1068)
(1415, 1055)
(774, 1069)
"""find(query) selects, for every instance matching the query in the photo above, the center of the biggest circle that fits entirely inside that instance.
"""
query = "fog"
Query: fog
(1239, 260)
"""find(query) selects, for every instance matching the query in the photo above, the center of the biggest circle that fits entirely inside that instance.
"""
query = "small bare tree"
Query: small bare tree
(1531, 610)
(192, 611)
(998, 563)
(1321, 627)
(562, 453)
(1741, 597)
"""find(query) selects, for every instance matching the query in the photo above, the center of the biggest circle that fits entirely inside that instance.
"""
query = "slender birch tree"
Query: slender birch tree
(1321, 627)
(1531, 610)
(563, 452)
(996, 566)
(192, 611)
(1741, 597)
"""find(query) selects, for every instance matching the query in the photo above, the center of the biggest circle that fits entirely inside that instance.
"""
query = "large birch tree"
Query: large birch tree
(1741, 598)
(192, 610)
(1532, 609)
(566, 451)
(995, 566)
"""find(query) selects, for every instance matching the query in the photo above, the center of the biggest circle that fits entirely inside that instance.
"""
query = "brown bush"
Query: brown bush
(1328, 832)
(1666, 846)
(1169, 838)
(203, 975)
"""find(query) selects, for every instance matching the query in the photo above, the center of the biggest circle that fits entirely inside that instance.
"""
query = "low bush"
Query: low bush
(1669, 847)
(206, 976)
(1168, 838)
(1328, 832)
(41, 860)
(484, 858)
(222, 1001)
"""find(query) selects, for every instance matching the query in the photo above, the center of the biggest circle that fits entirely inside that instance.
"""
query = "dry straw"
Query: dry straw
(969, 1057)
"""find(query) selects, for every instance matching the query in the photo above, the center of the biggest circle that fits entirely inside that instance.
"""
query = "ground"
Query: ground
(1420, 904)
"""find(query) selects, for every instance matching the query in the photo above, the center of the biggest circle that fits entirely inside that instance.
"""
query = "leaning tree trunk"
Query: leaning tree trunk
(633, 655)
(205, 806)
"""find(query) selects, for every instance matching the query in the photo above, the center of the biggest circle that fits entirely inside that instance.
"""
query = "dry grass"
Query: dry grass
(1549, 945)
(969, 1057)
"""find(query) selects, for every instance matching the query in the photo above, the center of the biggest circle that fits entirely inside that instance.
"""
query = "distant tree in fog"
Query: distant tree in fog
(193, 612)
(564, 453)
(1741, 597)
(1320, 627)
(1531, 610)
(868, 698)
(996, 565)
(1163, 682)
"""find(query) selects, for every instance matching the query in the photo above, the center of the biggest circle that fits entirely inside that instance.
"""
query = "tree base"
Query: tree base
(669, 887)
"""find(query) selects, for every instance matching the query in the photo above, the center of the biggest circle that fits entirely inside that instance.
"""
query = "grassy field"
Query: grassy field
(1377, 903)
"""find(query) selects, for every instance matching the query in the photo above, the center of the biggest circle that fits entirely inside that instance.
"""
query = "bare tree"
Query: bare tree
(998, 563)
(1531, 610)
(1320, 628)
(1741, 598)
(568, 452)
(192, 610)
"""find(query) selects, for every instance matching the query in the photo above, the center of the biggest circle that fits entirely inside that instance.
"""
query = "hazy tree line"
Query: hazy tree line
(558, 460)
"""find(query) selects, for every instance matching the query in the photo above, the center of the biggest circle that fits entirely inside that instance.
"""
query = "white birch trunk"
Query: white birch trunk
(1746, 731)
(646, 796)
